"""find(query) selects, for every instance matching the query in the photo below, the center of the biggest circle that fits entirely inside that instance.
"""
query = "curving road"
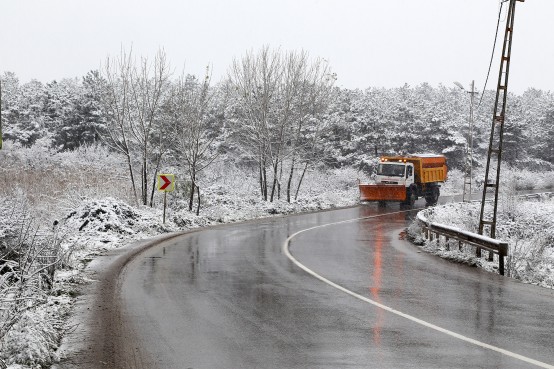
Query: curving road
(351, 294)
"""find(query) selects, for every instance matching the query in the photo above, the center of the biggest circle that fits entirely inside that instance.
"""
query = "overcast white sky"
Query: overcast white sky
(368, 42)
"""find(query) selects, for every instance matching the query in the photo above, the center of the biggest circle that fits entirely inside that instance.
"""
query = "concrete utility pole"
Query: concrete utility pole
(495, 145)
(468, 169)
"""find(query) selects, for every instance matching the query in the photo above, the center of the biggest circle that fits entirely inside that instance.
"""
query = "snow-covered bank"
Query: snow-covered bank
(527, 224)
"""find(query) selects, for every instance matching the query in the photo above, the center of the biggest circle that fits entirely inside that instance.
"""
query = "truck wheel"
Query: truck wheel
(410, 198)
(433, 197)
(382, 204)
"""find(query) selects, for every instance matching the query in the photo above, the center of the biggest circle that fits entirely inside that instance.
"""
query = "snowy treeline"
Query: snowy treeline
(276, 113)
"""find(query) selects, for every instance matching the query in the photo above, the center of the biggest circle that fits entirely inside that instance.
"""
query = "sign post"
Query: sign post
(166, 183)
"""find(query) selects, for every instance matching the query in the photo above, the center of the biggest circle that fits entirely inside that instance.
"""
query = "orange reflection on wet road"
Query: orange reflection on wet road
(376, 279)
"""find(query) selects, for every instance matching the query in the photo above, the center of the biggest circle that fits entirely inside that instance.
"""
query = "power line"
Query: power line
(492, 54)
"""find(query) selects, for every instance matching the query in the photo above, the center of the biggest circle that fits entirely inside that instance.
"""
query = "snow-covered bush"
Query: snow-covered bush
(29, 257)
(35, 336)
(103, 224)
(524, 179)
(454, 183)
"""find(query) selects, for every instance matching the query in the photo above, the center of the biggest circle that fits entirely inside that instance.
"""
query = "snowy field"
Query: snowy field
(67, 208)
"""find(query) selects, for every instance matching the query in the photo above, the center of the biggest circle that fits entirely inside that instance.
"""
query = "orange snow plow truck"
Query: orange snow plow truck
(404, 179)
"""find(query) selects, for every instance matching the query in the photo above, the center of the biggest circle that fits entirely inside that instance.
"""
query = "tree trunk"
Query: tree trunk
(264, 170)
(198, 205)
(156, 170)
(261, 180)
(300, 181)
(153, 187)
(144, 179)
(279, 182)
(130, 166)
(274, 185)
(191, 197)
(291, 175)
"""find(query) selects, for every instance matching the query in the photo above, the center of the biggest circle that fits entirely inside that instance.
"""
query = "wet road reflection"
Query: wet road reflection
(228, 298)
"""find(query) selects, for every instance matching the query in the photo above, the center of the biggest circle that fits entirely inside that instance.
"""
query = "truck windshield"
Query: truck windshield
(393, 170)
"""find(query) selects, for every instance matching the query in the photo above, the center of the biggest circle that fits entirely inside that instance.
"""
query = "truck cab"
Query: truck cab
(398, 172)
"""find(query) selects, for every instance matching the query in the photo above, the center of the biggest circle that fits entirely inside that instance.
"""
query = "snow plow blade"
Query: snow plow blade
(375, 192)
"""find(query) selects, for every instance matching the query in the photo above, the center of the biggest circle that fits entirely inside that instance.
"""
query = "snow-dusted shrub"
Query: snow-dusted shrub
(529, 229)
(545, 180)
(103, 215)
(103, 224)
(336, 186)
(454, 183)
(29, 258)
(464, 215)
(525, 179)
(520, 179)
(35, 336)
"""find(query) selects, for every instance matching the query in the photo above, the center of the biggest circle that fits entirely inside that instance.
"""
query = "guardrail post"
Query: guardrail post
(502, 252)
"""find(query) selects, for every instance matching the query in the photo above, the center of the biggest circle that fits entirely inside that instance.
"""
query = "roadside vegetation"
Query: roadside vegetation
(80, 157)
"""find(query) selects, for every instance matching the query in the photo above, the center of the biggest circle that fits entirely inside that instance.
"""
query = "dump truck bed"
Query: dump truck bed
(428, 168)
(382, 192)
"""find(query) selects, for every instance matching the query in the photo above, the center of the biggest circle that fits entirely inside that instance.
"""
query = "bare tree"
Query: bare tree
(194, 136)
(116, 101)
(134, 97)
(314, 93)
(254, 81)
(149, 83)
(276, 95)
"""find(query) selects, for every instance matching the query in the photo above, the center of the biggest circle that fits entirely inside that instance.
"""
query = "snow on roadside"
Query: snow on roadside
(526, 224)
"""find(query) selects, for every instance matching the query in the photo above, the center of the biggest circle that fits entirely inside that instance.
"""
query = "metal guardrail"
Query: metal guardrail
(538, 196)
(431, 230)
(464, 237)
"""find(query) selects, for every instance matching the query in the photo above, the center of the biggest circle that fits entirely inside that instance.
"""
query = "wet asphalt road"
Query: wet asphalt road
(228, 297)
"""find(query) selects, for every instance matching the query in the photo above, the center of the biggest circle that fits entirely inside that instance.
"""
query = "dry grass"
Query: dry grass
(52, 182)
